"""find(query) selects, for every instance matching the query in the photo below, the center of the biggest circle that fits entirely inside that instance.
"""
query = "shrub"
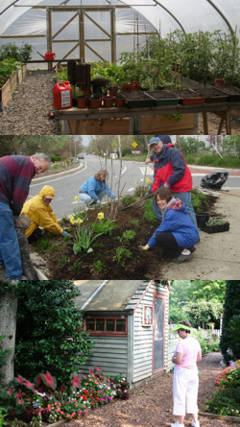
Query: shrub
(49, 334)
(10, 50)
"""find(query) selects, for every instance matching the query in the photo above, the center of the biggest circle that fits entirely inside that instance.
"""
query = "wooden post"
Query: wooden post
(49, 35)
(113, 36)
(81, 36)
(205, 123)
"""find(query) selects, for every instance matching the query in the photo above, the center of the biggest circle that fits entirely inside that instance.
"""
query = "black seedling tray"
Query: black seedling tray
(138, 99)
(163, 97)
(232, 92)
(212, 94)
(217, 228)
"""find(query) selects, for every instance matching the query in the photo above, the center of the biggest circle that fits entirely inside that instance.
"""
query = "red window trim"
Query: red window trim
(106, 333)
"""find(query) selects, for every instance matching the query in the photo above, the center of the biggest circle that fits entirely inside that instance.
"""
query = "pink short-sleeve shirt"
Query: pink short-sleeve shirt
(189, 347)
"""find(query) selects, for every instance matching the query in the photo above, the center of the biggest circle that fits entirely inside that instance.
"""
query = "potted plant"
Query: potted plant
(216, 225)
(82, 101)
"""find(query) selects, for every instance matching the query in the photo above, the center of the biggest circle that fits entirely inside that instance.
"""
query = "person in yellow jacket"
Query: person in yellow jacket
(38, 209)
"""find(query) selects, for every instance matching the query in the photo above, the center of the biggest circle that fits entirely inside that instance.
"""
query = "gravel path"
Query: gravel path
(151, 404)
(27, 112)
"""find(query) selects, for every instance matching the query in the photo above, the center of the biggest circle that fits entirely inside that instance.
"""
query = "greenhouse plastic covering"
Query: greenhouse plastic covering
(143, 16)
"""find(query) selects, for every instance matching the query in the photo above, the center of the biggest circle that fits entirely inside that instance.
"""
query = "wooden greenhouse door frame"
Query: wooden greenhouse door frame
(82, 43)
(162, 297)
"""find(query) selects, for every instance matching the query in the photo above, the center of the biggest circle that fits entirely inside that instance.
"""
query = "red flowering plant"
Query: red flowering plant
(226, 398)
(43, 401)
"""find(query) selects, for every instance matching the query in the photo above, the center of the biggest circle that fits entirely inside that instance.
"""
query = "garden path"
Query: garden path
(151, 403)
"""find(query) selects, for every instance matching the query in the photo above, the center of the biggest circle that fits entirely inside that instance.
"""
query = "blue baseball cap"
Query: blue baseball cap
(154, 140)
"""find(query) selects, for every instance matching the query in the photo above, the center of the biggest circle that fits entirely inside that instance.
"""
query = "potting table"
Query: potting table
(147, 120)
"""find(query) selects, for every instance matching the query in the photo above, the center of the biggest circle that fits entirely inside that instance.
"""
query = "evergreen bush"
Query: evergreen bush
(230, 338)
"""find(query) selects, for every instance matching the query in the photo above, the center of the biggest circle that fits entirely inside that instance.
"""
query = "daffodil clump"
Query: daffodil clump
(74, 220)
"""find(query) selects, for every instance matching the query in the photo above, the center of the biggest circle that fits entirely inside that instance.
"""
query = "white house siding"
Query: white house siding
(143, 337)
(110, 354)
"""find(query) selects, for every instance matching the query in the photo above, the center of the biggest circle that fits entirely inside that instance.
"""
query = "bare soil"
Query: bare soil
(151, 404)
(62, 263)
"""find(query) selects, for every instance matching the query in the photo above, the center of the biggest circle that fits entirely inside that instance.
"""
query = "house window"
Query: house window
(106, 325)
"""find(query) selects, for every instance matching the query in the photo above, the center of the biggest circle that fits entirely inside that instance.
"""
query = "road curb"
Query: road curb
(54, 175)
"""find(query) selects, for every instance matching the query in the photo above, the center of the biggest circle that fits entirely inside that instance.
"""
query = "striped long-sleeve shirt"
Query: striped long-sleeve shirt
(16, 173)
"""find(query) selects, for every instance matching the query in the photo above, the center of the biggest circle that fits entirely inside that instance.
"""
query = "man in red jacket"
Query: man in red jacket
(16, 173)
(171, 171)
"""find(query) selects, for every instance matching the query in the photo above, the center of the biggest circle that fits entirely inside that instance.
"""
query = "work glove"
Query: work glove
(65, 234)
(144, 248)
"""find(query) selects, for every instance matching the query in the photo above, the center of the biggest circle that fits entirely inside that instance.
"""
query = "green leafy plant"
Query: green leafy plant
(43, 245)
(134, 222)
(121, 255)
(63, 260)
(104, 226)
(216, 221)
(10, 50)
(127, 236)
(148, 211)
(128, 200)
(199, 201)
(84, 237)
(98, 265)
(3, 413)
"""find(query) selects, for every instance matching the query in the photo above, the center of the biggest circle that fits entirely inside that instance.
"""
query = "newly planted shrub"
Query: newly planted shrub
(104, 226)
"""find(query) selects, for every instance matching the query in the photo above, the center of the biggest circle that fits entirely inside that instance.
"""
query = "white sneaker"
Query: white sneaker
(177, 424)
(195, 424)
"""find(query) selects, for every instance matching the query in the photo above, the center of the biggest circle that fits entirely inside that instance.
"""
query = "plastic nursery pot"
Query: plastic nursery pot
(202, 218)
(95, 102)
(126, 87)
(119, 101)
(82, 101)
(219, 82)
(135, 86)
(108, 101)
(113, 90)
(216, 228)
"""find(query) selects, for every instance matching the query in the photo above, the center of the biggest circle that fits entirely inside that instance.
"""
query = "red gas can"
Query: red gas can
(62, 95)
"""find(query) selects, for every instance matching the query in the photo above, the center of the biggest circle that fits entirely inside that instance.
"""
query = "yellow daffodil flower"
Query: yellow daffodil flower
(100, 215)
(76, 198)
(148, 181)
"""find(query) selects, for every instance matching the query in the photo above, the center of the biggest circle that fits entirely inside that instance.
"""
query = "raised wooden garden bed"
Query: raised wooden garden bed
(9, 87)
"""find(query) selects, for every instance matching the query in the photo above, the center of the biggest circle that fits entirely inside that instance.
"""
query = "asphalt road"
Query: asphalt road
(67, 186)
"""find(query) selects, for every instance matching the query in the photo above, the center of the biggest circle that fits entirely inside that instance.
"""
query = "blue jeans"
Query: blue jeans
(9, 247)
(186, 198)
(87, 199)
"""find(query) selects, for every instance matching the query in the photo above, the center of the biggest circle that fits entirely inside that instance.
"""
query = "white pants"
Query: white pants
(185, 391)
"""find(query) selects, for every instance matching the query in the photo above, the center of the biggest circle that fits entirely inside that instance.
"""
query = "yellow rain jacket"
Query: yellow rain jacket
(41, 215)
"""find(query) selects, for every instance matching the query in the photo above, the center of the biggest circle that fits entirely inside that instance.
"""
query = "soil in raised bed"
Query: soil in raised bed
(62, 263)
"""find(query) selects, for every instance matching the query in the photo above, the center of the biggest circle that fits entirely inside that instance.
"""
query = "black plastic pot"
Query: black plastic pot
(217, 228)
(202, 218)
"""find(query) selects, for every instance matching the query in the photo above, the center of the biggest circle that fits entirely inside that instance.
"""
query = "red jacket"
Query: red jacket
(173, 171)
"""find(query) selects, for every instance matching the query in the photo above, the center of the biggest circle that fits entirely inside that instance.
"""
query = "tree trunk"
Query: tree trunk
(8, 313)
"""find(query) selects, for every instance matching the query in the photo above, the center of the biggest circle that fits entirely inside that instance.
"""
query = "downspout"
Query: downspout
(94, 294)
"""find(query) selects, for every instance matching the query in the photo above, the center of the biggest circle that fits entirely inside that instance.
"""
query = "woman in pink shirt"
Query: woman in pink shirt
(185, 379)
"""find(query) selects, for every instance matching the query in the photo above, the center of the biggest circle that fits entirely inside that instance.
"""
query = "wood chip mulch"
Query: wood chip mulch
(151, 404)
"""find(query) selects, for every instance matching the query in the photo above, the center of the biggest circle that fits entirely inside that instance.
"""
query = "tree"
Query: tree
(8, 311)
(230, 339)
(197, 292)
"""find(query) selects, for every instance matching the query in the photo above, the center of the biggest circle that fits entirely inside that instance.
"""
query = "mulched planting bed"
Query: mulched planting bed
(62, 263)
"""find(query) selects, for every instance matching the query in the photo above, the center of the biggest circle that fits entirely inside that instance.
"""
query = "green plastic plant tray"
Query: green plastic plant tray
(163, 97)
